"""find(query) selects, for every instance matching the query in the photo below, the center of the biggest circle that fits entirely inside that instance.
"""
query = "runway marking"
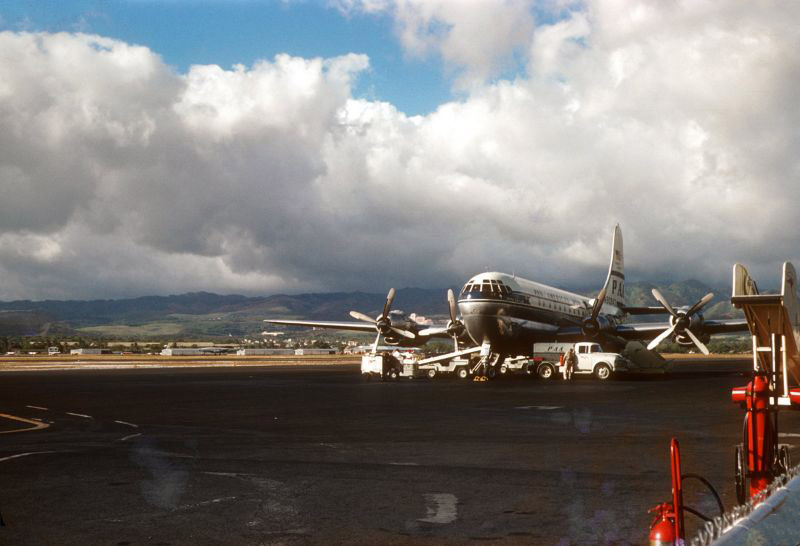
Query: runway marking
(543, 408)
(403, 464)
(789, 434)
(441, 508)
(36, 424)
(38, 407)
(126, 423)
(129, 437)
(79, 415)
(18, 455)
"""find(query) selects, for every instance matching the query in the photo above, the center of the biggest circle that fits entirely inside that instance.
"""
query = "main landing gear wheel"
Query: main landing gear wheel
(546, 371)
(391, 374)
(602, 372)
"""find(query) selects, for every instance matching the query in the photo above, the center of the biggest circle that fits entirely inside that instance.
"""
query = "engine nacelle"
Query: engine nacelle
(593, 327)
(694, 323)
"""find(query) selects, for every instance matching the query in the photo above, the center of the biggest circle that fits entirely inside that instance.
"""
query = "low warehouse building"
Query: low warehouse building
(263, 352)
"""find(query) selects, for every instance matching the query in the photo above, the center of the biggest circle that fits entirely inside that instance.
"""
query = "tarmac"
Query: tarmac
(316, 455)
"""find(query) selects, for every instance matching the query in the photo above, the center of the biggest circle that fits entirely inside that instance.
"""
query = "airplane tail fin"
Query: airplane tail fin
(615, 282)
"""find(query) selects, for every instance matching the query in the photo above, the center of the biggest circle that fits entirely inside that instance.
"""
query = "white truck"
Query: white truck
(591, 360)
(392, 365)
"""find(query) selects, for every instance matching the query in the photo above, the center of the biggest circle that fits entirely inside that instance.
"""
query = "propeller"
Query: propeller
(382, 323)
(454, 328)
(591, 326)
(681, 321)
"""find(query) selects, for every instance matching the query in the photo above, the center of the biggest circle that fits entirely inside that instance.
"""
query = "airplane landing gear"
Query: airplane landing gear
(487, 367)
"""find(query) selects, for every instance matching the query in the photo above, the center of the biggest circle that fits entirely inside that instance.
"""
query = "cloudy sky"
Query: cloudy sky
(262, 147)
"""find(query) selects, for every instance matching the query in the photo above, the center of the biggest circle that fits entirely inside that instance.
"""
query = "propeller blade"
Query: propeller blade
(388, 304)
(432, 331)
(699, 305)
(663, 301)
(661, 337)
(375, 346)
(362, 316)
(451, 299)
(404, 333)
(700, 345)
(598, 303)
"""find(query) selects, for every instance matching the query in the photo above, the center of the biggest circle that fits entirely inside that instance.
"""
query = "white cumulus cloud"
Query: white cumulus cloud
(120, 176)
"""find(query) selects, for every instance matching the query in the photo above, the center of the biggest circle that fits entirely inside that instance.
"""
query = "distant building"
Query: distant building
(91, 351)
(306, 352)
(181, 351)
(262, 352)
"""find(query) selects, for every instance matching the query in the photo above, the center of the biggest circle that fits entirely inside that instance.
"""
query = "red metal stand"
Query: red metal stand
(756, 458)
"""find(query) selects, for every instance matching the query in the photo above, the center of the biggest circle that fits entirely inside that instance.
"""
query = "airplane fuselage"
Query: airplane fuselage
(513, 313)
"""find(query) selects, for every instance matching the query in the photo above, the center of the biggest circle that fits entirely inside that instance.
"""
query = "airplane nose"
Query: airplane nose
(482, 321)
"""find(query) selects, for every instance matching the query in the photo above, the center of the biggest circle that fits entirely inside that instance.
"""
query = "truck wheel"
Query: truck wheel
(545, 371)
(431, 373)
(503, 369)
(602, 371)
(491, 372)
(462, 372)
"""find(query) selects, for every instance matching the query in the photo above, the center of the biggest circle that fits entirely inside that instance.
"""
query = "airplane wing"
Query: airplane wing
(429, 332)
(648, 330)
(355, 326)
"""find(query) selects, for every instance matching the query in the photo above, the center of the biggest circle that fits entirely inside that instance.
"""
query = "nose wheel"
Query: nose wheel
(487, 367)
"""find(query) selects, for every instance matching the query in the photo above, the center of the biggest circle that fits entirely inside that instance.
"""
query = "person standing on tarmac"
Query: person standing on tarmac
(569, 364)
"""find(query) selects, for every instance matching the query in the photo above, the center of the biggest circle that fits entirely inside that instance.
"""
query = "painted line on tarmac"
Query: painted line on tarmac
(79, 415)
(127, 424)
(543, 408)
(18, 455)
(129, 437)
(38, 407)
(36, 424)
(789, 434)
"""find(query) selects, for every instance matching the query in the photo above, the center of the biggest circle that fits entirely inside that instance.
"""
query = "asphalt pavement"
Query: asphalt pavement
(319, 456)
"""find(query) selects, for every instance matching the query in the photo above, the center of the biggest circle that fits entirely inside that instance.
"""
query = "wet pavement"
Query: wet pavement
(316, 455)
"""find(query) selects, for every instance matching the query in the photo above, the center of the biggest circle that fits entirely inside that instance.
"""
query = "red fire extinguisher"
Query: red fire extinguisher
(662, 530)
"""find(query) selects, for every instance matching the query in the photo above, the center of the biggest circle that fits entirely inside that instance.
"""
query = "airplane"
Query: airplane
(507, 314)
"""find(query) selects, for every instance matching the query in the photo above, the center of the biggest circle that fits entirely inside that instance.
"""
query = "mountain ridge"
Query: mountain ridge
(209, 314)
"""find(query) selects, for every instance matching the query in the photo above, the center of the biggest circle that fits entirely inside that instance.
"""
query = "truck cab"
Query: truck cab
(592, 360)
